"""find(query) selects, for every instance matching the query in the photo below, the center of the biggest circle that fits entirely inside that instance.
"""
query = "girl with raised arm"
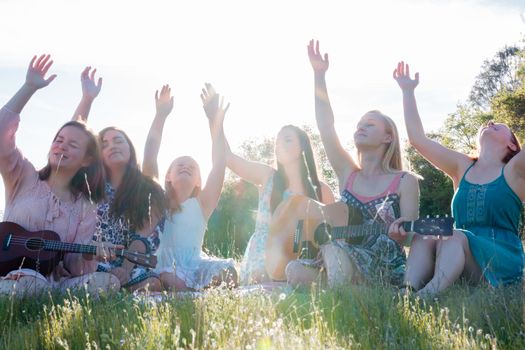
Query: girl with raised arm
(374, 184)
(487, 204)
(132, 213)
(58, 197)
(295, 174)
(182, 264)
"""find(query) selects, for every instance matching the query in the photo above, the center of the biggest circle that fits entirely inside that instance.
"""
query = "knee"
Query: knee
(103, 281)
(293, 272)
(153, 284)
(458, 238)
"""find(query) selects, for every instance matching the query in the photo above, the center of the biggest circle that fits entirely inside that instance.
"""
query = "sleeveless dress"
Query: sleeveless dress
(117, 231)
(180, 248)
(253, 266)
(489, 216)
(378, 258)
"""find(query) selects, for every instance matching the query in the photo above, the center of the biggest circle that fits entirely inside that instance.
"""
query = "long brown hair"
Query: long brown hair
(138, 196)
(89, 180)
(309, 177)
(511, 153)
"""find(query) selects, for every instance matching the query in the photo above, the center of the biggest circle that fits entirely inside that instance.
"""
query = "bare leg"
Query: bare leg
(171, 282)
(340, 270)
(151, 284)
(298, 274)
(94, 283)
(453, 260)
(24, 286)
(420, 262)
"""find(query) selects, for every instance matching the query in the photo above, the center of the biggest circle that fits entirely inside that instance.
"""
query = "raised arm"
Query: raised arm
(35, 80)
(215, 112)
(13, 166)
(164, 106)
(449, 161)
(254, 172)
(340, 160)
(90, 91)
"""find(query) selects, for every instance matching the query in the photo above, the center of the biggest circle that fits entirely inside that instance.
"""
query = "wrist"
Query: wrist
(28, 87)
(87, 98)
(161, 116)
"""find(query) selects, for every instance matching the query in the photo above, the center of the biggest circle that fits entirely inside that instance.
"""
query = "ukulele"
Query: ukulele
(43, 250)
(300, 225)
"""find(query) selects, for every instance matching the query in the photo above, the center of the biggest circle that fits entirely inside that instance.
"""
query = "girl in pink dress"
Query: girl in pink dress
(58, 197)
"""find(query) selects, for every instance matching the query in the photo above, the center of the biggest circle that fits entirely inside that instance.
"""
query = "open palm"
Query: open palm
(37, 71)
(319, 64)
(402, 76)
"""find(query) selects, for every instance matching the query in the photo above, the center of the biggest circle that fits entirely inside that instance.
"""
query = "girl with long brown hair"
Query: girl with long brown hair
(487, 206)
(132, 213)
(59, 197)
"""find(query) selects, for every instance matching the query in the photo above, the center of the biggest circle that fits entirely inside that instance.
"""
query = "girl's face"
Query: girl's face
(287, 146)
(115, 149)
(371, 131)
(496, 131)
(184, 170)
(68, 150)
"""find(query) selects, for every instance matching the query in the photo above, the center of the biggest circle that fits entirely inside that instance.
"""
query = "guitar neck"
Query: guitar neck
(75, 248)
(362, 230)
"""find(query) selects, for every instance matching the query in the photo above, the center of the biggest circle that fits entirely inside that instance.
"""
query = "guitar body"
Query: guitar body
(282, 237)
(29, 255)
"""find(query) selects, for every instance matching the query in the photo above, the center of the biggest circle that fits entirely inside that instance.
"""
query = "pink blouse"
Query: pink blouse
(30, 202)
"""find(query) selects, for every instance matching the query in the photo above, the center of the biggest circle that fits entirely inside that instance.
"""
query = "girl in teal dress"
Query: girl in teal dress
(487, 206)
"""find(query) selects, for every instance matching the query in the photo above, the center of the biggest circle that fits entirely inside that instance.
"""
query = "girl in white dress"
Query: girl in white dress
(182, 265)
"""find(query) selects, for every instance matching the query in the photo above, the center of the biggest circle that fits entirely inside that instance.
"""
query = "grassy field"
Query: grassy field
(355, 317)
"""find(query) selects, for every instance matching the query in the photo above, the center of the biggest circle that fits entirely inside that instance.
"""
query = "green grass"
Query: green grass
(355, 317)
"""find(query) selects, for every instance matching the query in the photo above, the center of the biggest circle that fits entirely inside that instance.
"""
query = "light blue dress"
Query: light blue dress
(253, 266)
(489, 216)
(180, 248)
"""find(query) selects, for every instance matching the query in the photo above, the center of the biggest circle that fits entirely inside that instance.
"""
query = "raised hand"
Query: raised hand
(319, 64)
(90, 90)
(35, 80)
(210, 101)
(402, 76)
(164, 101)
(35, 77)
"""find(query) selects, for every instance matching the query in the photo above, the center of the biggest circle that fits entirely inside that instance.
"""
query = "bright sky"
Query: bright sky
(253, 52)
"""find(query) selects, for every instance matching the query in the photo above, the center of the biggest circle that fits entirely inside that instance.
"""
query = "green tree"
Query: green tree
(502, 72)
(436, 189)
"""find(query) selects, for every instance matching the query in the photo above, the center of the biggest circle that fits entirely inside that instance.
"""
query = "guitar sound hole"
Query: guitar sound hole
(35, 244)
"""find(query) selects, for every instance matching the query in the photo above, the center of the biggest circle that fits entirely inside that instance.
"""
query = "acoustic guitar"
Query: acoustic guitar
(300, 225)
(43, 250)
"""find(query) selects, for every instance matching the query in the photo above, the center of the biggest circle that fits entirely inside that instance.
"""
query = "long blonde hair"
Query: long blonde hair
(392, 160)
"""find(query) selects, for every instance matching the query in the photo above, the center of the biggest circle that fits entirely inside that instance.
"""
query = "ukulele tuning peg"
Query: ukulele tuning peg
(446, 216)
(428, 216)
(437, 216)
(425, 238)
(435, 238)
